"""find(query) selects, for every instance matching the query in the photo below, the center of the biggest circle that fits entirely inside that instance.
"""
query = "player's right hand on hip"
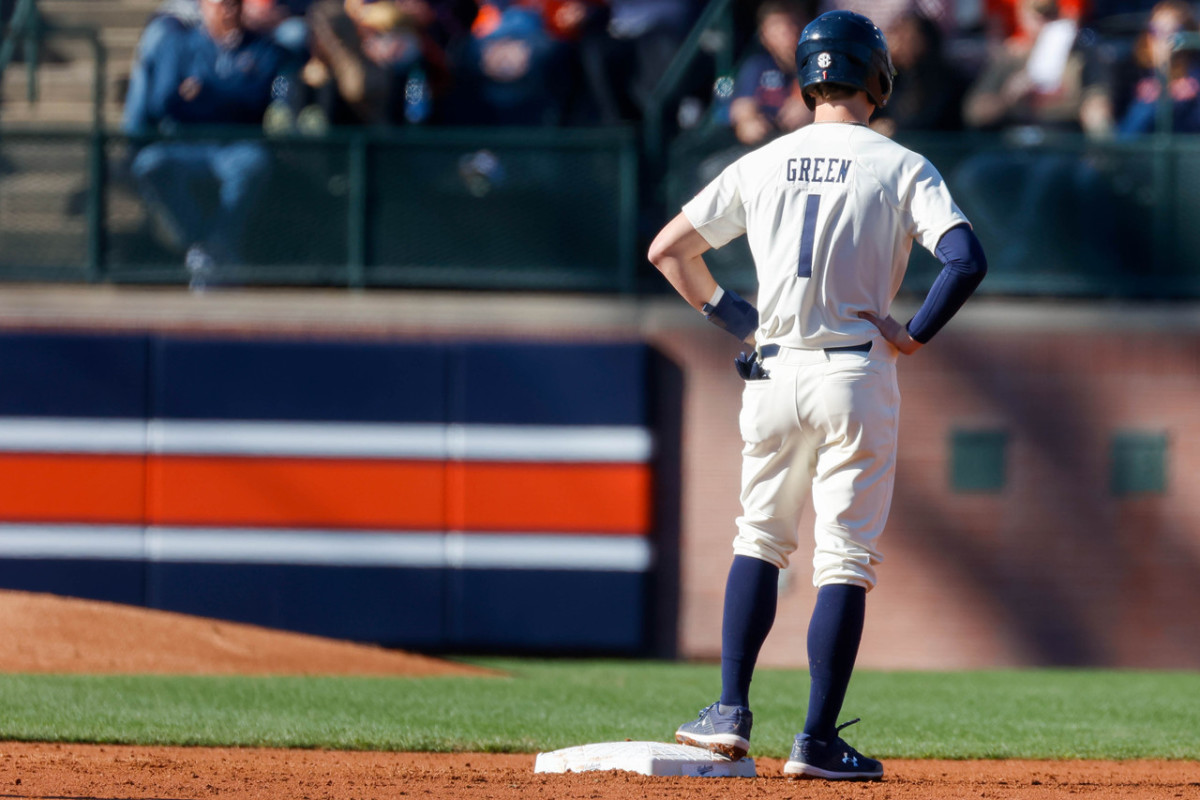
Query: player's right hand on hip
(893, 331)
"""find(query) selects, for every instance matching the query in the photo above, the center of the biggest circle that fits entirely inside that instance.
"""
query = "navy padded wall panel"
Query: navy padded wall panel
(524, 610)
(574, 384)
(382, 605)
(299, 380)
(73, 375)
(110, 581)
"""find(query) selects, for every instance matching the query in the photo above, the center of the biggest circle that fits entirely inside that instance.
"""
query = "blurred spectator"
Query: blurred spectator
(1026, 198)
(172, 18)
(1007, 21)
(765, 100)
(885, 13)
(374, 62)
(184, 12)
(515, 69)
(562, 19)
(1160, 63)
(929, 89)
(624, 60)
(1030, 81)
(554, 54)
(218, 73)
(284, 21)
(766, 95)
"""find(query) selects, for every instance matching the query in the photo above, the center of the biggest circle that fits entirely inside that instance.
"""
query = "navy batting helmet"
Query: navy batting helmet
(847, 49)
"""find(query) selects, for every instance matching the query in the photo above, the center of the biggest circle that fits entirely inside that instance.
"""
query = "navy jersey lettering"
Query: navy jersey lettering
(817, 170)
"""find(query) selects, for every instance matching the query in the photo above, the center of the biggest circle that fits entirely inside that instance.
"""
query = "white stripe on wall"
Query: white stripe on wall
(324, 548)
(87, 542)
(536, 551)
(550, 443)
(72, 435)
(429, 550)
(297, 439)
(555, 443)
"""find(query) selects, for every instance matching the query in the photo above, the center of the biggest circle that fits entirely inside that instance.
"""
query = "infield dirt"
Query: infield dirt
(43, 633)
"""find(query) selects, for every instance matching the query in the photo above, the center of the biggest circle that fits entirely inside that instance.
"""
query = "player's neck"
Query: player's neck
(854, 110)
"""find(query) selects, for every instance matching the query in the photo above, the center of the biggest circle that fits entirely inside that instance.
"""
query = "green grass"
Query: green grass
(543, 705)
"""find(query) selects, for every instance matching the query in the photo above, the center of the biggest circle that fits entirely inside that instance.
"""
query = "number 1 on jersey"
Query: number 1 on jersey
(807, 234)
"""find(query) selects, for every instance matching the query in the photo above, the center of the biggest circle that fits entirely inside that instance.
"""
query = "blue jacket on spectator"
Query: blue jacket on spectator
(1142, 114)
(234, 81)
(762, 80)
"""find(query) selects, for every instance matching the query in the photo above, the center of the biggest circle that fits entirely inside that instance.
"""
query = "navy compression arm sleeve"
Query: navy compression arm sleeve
(963, 267)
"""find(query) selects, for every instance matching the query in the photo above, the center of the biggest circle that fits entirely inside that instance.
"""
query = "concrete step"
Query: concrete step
(41, 194)
(119, 45)
(46, 222)
(124, 211)
(45, 158)
(38, 196)
(47, 112)
(12, 206)
(34, 249)
(69, 82)
(73, 81)
(40, 183)
(98, 13)
(65, 79)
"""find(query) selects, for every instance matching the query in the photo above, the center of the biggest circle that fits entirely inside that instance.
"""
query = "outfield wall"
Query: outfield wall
(467, 496)
(1047, 509)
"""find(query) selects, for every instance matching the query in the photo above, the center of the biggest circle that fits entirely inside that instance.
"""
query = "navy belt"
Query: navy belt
(770, 350)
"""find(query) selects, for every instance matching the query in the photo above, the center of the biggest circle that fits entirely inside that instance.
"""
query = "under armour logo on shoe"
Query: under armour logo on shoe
(849, 759)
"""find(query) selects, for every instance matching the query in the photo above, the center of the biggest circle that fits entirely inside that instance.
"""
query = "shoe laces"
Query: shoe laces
(838, 741)
(839, 728)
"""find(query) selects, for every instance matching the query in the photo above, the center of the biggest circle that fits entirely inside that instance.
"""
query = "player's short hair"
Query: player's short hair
(824, 92)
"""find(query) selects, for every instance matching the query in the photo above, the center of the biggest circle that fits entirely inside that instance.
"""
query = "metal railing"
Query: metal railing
(475, 208)
(566, 209)
(1058, 215)
(28, 30)
(716, 19)
(554, 209)
(22, 27)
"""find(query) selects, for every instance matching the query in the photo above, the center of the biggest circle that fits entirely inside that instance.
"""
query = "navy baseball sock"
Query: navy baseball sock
(833, 636)
(751, 594)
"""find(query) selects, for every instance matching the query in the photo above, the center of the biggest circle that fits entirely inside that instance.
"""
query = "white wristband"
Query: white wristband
(718, 293)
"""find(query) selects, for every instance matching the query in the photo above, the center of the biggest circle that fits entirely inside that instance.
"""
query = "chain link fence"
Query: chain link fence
(552, 209)
(43, 203)
(1057, 215)
(520, 209)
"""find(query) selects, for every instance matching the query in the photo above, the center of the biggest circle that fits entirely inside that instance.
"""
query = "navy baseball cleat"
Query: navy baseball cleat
(833, 761)
(725, 730)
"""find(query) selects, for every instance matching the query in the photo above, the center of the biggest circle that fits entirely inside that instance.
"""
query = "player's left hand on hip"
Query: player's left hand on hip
(893, 331)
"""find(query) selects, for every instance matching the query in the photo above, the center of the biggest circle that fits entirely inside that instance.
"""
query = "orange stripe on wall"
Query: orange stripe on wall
(600, 498)
(297, 492)
(72, 488)
(327, 493)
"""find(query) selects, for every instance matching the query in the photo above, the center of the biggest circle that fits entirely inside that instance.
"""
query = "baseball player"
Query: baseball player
(830, 213)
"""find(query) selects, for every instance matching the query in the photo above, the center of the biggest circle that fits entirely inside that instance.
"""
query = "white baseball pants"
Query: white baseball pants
(824, 423)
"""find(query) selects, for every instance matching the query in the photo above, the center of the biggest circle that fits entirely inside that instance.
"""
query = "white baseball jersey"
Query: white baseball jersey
(830, 212)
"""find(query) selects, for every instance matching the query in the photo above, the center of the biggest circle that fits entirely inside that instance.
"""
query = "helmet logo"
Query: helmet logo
(824, 60)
